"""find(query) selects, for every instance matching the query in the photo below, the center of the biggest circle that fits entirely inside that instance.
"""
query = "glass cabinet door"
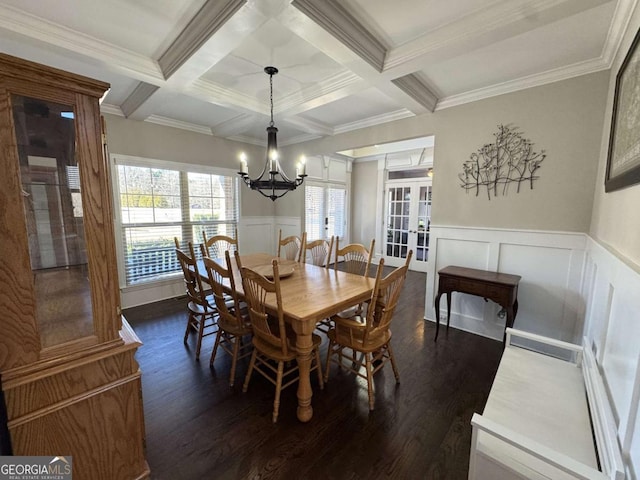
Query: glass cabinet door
(54, 217)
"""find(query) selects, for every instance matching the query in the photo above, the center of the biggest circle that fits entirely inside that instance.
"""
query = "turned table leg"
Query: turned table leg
(304, 345)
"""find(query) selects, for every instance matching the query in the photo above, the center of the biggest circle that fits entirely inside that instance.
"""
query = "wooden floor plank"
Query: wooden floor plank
(198, 427)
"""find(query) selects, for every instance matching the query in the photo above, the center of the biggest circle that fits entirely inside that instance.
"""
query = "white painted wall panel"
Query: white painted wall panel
(550, 264)
(622, 348)
(543, 289)
(257, 234)
(613, 332)
(337, 171)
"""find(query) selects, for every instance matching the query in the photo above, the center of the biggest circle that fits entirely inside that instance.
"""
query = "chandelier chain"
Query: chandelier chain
(271, 97)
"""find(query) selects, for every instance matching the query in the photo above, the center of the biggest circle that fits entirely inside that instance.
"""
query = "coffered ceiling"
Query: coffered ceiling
(344, 64)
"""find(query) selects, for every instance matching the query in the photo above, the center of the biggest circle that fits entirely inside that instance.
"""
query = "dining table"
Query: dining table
(309, 294)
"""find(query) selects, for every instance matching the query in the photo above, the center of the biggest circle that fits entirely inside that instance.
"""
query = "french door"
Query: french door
(325, 211)
(408, 218)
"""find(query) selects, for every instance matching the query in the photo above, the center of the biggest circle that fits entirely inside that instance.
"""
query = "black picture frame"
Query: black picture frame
(623, 158)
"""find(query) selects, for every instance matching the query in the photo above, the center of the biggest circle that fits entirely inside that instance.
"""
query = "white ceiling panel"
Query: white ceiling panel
(363, 105)
(568, 41)
(405, 20)
(198, 64)
(187, 109)
(143, 26)
(300, 64)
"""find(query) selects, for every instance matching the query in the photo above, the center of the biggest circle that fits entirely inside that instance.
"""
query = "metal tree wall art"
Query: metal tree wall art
(510, 159)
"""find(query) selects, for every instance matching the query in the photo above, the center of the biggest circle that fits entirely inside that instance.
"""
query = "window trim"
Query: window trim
(130, 160)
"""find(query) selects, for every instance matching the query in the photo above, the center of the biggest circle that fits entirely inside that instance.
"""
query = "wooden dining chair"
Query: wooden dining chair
(202, 311)
(233, 320)
(355, 258)
(370, 337)
(273, 340)
(289, 247)
(214, 247)
(318, 252)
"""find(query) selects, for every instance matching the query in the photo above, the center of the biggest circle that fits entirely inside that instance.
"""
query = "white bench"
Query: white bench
(545, 418)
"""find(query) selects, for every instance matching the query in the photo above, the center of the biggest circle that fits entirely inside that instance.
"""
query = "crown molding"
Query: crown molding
(530, 81)
(116, 58)
(209, 19)
(140, 94)
(107, 108)
(416, 89)
(333, 17)
(374, 120)
(617, 28)
(170, 122)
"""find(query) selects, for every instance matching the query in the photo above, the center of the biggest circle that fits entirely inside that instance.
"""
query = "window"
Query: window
(325, 211)
(159, 201)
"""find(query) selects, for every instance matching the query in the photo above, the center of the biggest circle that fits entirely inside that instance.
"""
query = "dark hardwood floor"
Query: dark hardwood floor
(197, 427)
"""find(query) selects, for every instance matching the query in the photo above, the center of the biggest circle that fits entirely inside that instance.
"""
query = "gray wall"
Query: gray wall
(364, 201)
(564, 118)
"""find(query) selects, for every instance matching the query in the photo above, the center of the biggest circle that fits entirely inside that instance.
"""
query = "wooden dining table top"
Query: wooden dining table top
(309, 293)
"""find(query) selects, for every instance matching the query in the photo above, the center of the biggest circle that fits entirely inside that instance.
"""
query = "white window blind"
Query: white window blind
(314, 212)
(158, 204)
(336, 204)
(325, 211)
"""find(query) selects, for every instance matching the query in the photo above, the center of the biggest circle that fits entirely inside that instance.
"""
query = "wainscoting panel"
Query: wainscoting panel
(550, 264)
(257, 234)
(612, 294)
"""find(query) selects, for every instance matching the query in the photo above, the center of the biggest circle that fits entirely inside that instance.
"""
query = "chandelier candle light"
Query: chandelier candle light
(272, 187)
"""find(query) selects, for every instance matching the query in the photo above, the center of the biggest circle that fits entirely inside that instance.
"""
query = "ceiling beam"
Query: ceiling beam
(417, 89)
(137, 98)
(209, 19)
(332, 16)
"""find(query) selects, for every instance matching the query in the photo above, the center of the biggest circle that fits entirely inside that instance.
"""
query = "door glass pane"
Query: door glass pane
(398, 208)
(424, 223)
(51, 192)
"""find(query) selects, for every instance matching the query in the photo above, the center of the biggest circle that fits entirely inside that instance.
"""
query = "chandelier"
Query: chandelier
(277, 183)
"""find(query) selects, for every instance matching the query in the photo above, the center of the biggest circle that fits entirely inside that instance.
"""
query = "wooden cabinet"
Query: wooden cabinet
(70, 381)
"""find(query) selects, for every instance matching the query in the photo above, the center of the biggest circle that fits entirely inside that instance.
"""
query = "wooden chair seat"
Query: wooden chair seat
(276, 354)
(352, 333)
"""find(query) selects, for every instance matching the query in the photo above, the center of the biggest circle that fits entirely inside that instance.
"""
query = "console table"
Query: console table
(502, 288)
